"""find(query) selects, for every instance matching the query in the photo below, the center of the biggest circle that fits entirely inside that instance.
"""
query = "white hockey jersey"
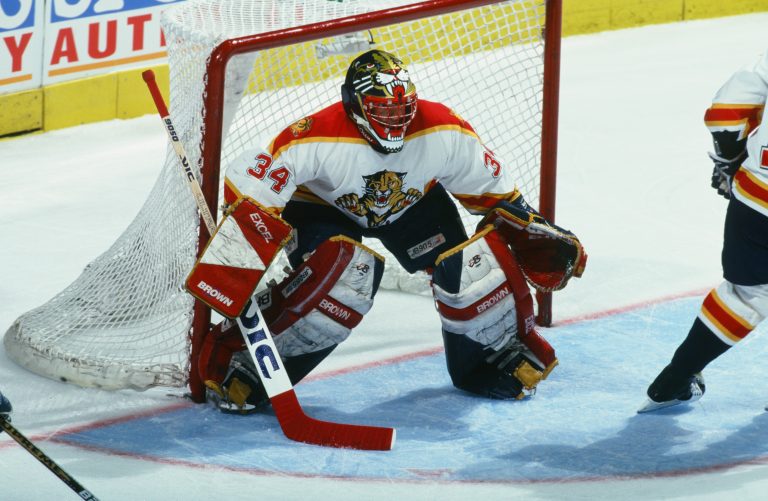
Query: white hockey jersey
(738, 108)
(322, 158)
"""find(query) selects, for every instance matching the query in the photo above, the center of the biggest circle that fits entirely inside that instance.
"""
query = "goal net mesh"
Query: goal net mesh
(125, 321)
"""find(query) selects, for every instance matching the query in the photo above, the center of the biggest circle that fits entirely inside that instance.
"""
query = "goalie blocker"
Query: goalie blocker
(486, 309)
(237, 256)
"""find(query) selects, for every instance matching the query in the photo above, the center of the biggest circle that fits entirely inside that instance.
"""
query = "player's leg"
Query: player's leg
(487, 322)
(491, 346)
(309, 312)
(729, 312)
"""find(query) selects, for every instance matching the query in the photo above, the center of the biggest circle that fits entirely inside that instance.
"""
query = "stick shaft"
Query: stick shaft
(46, 460)
(194, 184)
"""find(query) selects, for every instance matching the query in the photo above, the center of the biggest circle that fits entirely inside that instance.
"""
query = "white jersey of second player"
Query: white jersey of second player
(738, 107)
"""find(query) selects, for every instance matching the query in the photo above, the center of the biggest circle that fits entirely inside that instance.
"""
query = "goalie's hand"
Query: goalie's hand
(548, 255)
(723, 172)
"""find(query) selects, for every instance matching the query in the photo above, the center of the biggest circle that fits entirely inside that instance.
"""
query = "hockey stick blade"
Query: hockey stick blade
(296, 425)
(299, 427)
(47, 461)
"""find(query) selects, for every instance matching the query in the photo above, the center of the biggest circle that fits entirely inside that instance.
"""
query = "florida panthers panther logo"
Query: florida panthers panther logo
(302, 126)
(383, 196)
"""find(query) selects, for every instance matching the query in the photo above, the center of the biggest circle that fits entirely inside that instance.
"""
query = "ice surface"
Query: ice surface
(633, 183)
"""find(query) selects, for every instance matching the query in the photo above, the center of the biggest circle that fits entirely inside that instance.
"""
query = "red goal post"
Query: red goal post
(242, 70)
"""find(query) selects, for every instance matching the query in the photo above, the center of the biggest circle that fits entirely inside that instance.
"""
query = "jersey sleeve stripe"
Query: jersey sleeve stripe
(742, 118)
(303, 194)
(752, 188)
(480, 204)
(232, 195)
(440, 128)
(283, 147)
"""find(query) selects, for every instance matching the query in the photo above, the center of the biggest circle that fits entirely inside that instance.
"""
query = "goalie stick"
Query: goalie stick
(296, 425)
(46, 460)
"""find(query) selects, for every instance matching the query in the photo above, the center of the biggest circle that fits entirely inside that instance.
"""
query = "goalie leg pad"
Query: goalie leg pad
(219, 344)
(228, 371)
(486, 311)
(309, 312)
(319, 303)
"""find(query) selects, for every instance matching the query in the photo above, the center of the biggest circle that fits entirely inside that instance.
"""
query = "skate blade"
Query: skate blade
(651, 406)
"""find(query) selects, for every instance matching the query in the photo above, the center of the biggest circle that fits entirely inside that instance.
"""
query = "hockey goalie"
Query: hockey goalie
(380, 163)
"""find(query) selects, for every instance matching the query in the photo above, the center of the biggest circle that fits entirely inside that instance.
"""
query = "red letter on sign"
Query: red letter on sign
(93, 40)
(64, 48)
(137, 23)
(17, 51)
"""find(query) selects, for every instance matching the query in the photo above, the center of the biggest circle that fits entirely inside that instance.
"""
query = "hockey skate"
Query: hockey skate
(673, 388)
(241, 392)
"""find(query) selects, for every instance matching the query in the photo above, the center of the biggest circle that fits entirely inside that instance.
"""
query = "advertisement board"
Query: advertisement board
(21, 50)
(87, 37)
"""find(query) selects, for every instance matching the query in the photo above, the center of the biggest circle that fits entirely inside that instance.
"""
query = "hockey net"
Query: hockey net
(241, 71)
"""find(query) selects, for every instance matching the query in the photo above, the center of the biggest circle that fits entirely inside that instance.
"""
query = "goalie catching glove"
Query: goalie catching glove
(547, 254)
(486, 309)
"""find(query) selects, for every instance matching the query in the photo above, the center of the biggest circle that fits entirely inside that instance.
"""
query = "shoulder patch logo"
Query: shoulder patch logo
(302, 126)
(383, 196)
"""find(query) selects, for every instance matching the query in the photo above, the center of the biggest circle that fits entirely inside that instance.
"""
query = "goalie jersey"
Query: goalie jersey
(322, 158)
(734, 120)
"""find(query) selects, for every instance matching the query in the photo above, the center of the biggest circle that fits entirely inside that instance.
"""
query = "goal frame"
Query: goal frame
(211, 143)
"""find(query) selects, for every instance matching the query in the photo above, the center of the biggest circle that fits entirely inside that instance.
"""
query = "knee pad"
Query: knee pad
(321, 301)
(486, 310)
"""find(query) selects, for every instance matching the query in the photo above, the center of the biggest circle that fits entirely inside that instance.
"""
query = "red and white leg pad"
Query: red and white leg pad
(315, 307)
(486, 306)
(319, 304)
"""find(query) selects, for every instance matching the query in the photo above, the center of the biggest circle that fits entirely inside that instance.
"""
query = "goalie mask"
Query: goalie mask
(380, 98)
